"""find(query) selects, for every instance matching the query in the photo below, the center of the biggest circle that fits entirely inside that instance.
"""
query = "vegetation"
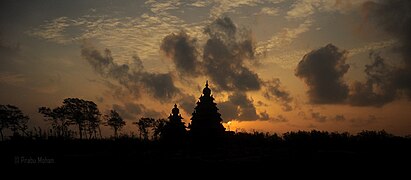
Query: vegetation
(115, 121)
(12, 118)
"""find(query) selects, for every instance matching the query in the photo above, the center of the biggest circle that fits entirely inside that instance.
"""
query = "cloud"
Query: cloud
(273, 90)
(142, 32)
(187, 103)
(363, 122)
(318, 117)
(53, 30)
(260, 103)
(379, 87)
(200, 4)
(301, 9)
(323, 70)
(239, 107)
(339, 118)
(225, 53)
(283, 38)
(159, 7)
(133, 112)
(182, 50)
(372, 47)
(160, 86)
(12, 78)
(394, 17)
(279, 118)
(306, 8)
(224, 6)
(268, 11)
(264, 116)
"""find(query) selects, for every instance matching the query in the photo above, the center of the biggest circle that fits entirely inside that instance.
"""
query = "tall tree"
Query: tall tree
(144, 125)
(115, 121)
(158, 128)
(13, 118)
(58, 119)
(4, 119)
(83, 113)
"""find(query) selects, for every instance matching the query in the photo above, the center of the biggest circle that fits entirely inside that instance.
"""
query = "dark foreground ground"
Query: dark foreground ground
(234, 153)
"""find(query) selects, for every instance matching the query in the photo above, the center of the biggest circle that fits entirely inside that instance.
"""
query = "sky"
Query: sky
(272, 65)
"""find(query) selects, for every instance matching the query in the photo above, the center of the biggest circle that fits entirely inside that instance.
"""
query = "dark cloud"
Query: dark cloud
(160, 85)
(339, 117)
(240, 108)
(260, 103)
(187, 103)
(135, 78)
(264, 116)
(181, 49)
(228, 111)
(318, 117)
(224, 55)
(273, 90)
(99, 99)
(394, 16)
(303, 115)
(132, 111)
(379, 87)
(363, 122)
(279, 118)
(123, 112)
(323, 70)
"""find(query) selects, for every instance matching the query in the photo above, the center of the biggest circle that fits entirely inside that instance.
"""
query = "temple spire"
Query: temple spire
(175, 111)
(206, 90)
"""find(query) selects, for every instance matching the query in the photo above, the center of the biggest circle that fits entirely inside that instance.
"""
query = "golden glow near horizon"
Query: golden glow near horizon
(143, 57)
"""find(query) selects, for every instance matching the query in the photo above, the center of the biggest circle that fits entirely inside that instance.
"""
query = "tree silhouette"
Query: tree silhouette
(115, 121)
(143, 126)
(58, 119)
(83, 113)
(13, 118)
(4, 119)
(158, 128)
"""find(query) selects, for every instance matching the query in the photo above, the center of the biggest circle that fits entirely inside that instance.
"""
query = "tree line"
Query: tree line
(81, 114)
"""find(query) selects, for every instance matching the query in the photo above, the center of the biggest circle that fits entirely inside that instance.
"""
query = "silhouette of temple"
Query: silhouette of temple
(206, 121)
(175, 129)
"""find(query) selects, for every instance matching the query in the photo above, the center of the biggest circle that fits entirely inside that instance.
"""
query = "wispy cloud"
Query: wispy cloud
(54, 30)
(200, 3)
(126, 36)
(306, 8)
(11, 78)
(159, 7)
(225, 6)
(362, 122)
(283, 38)
(371, 46)
(302, 9)
(268, 11)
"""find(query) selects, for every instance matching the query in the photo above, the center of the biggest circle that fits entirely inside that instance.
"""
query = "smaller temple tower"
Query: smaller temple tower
(206, 122)
(174, 130)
